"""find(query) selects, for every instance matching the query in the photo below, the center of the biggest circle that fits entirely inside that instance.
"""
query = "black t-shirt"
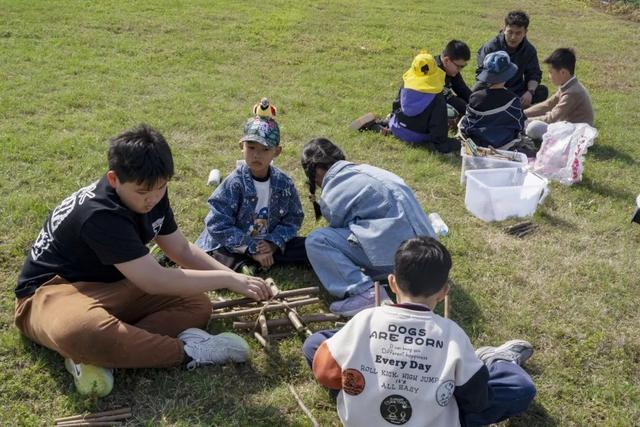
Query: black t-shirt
(87, 234)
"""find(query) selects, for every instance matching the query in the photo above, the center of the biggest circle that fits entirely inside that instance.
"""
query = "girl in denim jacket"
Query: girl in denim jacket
(370, 211)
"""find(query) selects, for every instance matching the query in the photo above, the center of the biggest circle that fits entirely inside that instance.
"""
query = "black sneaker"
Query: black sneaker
(518, 351)
(363, 122)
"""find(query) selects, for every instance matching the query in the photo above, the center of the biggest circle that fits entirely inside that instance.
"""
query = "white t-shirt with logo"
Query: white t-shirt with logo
(398, 366)
(261, 214)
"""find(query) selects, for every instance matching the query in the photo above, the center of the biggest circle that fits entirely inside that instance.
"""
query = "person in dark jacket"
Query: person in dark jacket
(419, 113)
(513, 40)
(453, 59)
(494, 115)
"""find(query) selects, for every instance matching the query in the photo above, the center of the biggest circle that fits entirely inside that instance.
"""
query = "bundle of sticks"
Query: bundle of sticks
(521, 229)
(281, 301)
(471, 149)
(114, 417)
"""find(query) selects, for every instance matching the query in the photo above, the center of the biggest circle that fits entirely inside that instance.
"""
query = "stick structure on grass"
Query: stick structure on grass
(284, 301)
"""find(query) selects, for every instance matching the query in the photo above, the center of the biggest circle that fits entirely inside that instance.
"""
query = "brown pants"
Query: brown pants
(112, 325)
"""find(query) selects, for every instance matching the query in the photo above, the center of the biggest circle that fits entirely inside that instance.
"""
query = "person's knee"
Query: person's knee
(311, 345)
(527, 391)
(86, 337)
(315, 243)
(536, 129)
(199, 306)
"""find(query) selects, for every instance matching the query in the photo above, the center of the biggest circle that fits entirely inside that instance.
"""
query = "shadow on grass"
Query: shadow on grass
(536, 415)
(607, 152)
(547, 217)
(464, 311)
(215, 395)
(605, 191)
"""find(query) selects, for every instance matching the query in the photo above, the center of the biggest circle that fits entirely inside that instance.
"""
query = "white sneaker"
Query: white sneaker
(352, 305)
(517, 351)
(206, 349)
(89, 379)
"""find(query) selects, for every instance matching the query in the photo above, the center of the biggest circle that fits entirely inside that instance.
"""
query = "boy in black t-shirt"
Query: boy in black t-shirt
(90, 290)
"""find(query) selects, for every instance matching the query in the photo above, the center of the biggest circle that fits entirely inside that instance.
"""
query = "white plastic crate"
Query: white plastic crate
(481, 162)
(498, 194)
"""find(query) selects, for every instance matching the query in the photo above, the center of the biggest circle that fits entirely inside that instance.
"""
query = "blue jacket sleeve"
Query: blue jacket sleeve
(221, 223)
(288, 226)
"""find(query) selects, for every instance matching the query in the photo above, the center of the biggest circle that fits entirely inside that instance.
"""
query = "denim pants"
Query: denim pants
(340, 262)
(512, 389)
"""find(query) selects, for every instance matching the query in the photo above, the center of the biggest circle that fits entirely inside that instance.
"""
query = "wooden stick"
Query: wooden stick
(274, 289)
(116, 417)
(95, 415)
(264, 330)
(446, 306)
(91, 423)
(310, 318)
(282, 335)
(110, 420)
(297, 322)
(261, 340)
(271, 307)
(302, 406)
(376, 289)
(216, 305)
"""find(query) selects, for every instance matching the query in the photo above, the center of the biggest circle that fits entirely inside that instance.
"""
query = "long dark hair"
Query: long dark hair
(318, 153)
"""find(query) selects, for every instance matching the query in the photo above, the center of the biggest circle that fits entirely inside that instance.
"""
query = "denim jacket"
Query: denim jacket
(232, 206)
(377, 206)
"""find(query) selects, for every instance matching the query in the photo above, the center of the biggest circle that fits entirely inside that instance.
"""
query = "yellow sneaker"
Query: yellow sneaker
(90, 379)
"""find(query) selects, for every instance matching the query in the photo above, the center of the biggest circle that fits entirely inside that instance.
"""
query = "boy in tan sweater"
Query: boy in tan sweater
(570, 103)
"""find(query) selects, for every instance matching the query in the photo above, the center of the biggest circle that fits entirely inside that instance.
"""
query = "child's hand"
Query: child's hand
(265, 247)
(265, 260)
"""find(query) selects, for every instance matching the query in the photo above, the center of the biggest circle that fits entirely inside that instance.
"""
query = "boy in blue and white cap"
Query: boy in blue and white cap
(494, 115)
(255, 214)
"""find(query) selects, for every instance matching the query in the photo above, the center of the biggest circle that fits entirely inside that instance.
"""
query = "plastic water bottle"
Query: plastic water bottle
(439, 226)
(214, 177)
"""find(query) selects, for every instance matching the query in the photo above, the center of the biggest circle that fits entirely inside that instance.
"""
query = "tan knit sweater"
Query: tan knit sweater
(570, 103)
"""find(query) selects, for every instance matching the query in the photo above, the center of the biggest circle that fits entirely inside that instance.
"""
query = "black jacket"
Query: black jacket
(525, 57)
(455, 83)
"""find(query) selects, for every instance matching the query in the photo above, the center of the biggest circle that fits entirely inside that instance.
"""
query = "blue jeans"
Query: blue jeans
(340, 262)
(512, 388)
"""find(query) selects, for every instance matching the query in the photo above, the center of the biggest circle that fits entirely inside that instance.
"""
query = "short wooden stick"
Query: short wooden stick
(310, 318)
(91, 422)
(282, 335)
(264, 330)
(263, 342)
(216, 305)
(446, 306)
(302, 406)
(270, 307)
(376, 289)
(118, 411)
(274, 289)
(116, 417)
(297, 322)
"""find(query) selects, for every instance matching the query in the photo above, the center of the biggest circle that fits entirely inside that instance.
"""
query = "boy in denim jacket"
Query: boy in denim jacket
(256, 212)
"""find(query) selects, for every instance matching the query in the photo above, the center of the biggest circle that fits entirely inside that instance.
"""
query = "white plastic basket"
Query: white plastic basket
(498, 194)
(481, 162)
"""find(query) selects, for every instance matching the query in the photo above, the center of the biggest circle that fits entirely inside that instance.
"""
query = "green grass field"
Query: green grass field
(75, 73)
